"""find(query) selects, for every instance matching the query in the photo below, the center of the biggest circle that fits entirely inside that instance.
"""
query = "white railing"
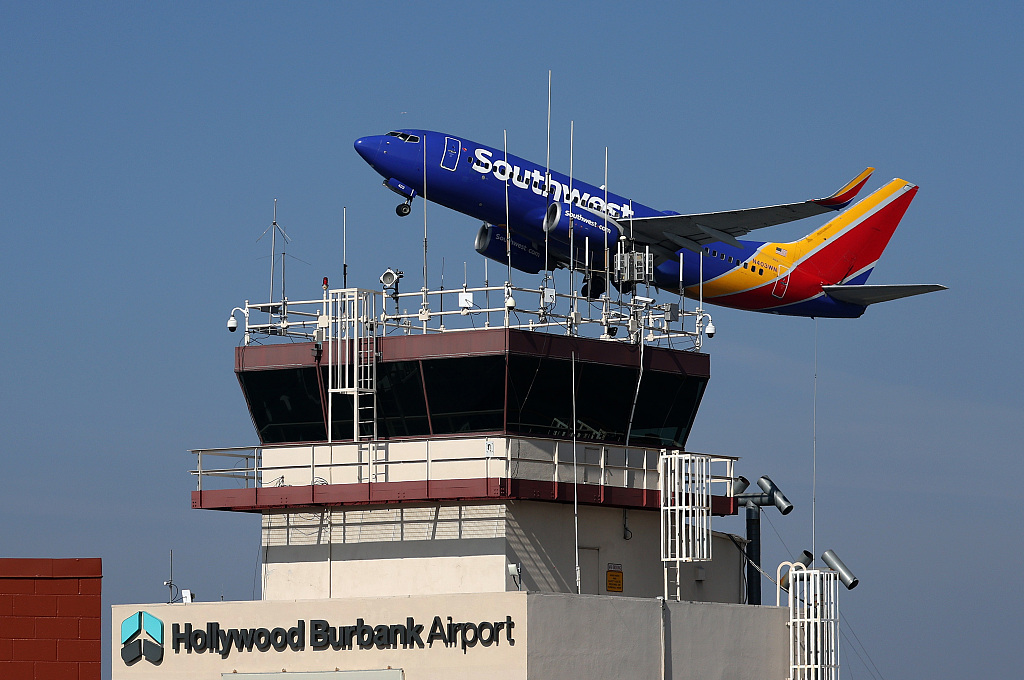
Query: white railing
(624, 318)
(544, 460)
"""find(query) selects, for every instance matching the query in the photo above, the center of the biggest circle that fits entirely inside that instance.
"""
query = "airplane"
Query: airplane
(536, 220)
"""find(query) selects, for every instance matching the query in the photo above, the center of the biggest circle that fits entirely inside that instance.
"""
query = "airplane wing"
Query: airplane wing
(668, 233)
(869, 295)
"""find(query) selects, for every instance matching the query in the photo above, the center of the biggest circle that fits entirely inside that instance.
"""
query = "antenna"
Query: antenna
(344, 247)
(424, 305)
(170, 581)
(547, 185)
(273, 229)
(508, 227)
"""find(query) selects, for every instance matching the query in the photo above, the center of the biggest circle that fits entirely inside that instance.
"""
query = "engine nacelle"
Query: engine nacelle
(588, 227)
(490, 242)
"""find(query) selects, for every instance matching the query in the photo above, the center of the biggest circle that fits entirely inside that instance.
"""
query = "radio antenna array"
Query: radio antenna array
(274, 228)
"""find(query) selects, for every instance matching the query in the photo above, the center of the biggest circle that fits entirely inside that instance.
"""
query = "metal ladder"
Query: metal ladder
(352, 348)
(685, 489)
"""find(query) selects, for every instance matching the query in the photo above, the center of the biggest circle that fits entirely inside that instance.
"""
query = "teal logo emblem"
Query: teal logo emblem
(142, 635)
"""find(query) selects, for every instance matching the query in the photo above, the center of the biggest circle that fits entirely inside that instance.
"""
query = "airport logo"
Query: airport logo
(142, 635)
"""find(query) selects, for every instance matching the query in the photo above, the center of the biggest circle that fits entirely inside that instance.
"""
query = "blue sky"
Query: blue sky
(143, 145)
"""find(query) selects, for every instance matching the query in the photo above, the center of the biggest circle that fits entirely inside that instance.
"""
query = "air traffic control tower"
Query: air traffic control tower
(510, 500)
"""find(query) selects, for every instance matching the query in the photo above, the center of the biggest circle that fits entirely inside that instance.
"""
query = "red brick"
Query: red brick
(90, 586)
(6, 605)
(77, 605)
(19, 670)
(36, 605)
(90, 629)
(89, 671)
(57, 586)
(17, 585)
(35, 650)
(78, 567)
(16, 627)
(57, 628)
(6, 649)
(78, 650)
(20, 567)
(56, 670)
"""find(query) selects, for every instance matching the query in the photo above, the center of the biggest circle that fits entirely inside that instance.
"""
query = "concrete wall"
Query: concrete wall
(497, 661)
(541, 537)
(384, 551)
(465, 548)
(555, 636)
(721, 641)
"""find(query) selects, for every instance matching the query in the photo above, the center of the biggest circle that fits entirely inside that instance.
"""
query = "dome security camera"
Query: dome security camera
(710, 330)
(232, 323)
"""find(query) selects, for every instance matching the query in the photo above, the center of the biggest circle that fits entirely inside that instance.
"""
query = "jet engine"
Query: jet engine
(589, 228)
(490, 242)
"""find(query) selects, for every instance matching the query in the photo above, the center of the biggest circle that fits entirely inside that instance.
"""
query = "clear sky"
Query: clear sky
(143, 145)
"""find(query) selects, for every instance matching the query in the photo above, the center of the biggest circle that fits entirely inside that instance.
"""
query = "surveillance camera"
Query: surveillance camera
(710, 330)
(232, 323)
(643, 300)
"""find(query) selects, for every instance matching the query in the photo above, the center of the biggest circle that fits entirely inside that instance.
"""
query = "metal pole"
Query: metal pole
(753, 553)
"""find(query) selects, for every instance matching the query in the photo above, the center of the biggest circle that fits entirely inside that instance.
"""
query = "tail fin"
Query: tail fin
(846, 249)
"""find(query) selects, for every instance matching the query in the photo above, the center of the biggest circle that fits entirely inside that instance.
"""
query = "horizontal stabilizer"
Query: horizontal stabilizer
(869, 295)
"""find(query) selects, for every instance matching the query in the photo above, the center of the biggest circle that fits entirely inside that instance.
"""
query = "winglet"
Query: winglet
(844, 196)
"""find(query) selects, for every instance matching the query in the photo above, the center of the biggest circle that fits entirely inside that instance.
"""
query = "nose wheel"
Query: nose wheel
(404, 209)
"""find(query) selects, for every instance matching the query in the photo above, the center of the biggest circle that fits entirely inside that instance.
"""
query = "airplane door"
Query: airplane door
(452, 149)
(781, 284)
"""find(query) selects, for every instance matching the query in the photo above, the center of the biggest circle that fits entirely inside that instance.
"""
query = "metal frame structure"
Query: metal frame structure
(353, 312)
(813, 623)
(685, 491)
(350, 325)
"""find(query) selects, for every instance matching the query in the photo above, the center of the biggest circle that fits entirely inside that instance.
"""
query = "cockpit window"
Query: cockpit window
(404, 136)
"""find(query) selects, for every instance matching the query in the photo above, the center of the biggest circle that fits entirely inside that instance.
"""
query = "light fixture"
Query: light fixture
(778, 499)
(845, 575)
(515, 570)
(390, 277)
(805, 559)
(739, 485)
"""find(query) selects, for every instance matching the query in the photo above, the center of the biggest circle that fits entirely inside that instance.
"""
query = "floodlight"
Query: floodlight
(390, 277)
(778, 498)
(515, 570)
(845, 575)
(805, 559)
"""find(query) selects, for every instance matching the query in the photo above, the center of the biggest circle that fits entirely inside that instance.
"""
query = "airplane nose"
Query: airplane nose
(367, 147)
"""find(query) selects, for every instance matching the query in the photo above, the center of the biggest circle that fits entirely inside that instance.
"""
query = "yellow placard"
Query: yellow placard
(613, 581)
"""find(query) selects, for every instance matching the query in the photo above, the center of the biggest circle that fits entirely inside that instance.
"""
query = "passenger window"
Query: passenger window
(760, 272)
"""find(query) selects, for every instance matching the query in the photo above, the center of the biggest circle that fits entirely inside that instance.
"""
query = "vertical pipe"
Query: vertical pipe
(753, 554)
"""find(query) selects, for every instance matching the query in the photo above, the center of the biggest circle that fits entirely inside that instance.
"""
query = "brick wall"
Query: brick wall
(50, 618)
